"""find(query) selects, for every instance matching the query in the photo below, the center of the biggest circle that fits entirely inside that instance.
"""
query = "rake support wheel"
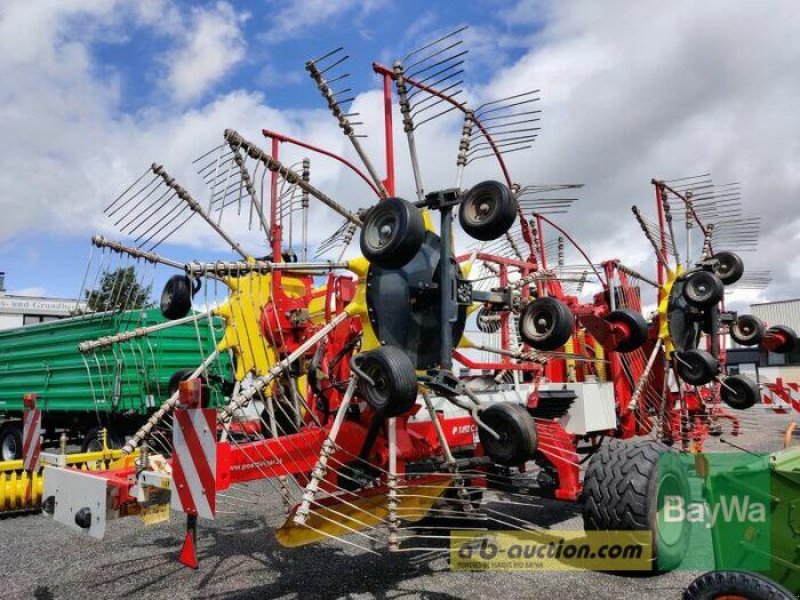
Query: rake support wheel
(546, 323)
(392, 234)
(739, 392)
(789, 342)
(634, 325)
(729, 267)
(703, 289)
(517, 430)
(488, 211)
(747, 330)
(176, 298)
(697, 367)
(395, 381)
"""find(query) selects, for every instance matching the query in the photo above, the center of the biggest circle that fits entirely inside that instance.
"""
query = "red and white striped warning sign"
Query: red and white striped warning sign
(194, 462)
(782, 397)
(31, 436)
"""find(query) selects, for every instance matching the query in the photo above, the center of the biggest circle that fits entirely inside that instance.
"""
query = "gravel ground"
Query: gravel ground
(240, 558)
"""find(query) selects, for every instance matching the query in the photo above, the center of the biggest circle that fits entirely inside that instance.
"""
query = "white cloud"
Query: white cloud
(31, 291)
(626, 96)
(211, 46)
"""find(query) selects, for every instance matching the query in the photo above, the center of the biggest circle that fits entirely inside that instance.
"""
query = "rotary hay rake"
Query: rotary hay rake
(343, 395)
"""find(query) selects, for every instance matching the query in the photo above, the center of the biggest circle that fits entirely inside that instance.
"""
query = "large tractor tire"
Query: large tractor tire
(93, 439)
(11, 441)
(624, 489)
(717, 585)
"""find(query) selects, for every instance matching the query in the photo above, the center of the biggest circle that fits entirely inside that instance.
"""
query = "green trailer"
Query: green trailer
(115, 387)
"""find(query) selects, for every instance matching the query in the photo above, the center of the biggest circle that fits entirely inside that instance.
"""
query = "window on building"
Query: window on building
(34, 319)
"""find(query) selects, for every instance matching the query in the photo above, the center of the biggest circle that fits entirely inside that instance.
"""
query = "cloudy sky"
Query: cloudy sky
(93, 91)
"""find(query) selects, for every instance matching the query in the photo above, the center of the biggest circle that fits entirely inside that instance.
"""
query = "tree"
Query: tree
(119, 290)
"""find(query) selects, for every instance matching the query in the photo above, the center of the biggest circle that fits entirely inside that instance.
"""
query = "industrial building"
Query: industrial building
(769, 366)
(18, 310)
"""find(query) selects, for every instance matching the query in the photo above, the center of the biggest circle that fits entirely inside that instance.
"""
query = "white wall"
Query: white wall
(9, 321)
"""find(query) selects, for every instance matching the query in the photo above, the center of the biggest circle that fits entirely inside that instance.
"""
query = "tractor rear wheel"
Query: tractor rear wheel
(625, 488)
(93, 439)
(735, 584)
(11, 441)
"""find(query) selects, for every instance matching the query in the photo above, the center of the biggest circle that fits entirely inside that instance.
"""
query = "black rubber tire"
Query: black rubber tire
(395, 389)
(733, 584)
(635, 323)
(622, 491)
(546, 324)
(92, 440)
(176, 297)
(743, 392)
(703, 289)
(11, 441)
(488, 210)
(517, 429)
(697, 367)
(729, 267)
(392, 233)
(747, 330)
(487, 320)
(791, 338)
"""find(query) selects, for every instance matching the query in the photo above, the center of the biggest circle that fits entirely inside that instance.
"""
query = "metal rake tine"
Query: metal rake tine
(335, 64)
(207, 173)
(165, 221)
(507, 98)
(436, 116)
(137, 205)
(503, 152)
(491, 128)
(480, 147)
(449, 74)
(134, 224)
(443, 91)
(324, 56)
(128, 189)
(199, 158)
(458, 55)
(432, 55)
(687, 178)
(418, 111)
(514, 114)
(436, 41)
(154, 180)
